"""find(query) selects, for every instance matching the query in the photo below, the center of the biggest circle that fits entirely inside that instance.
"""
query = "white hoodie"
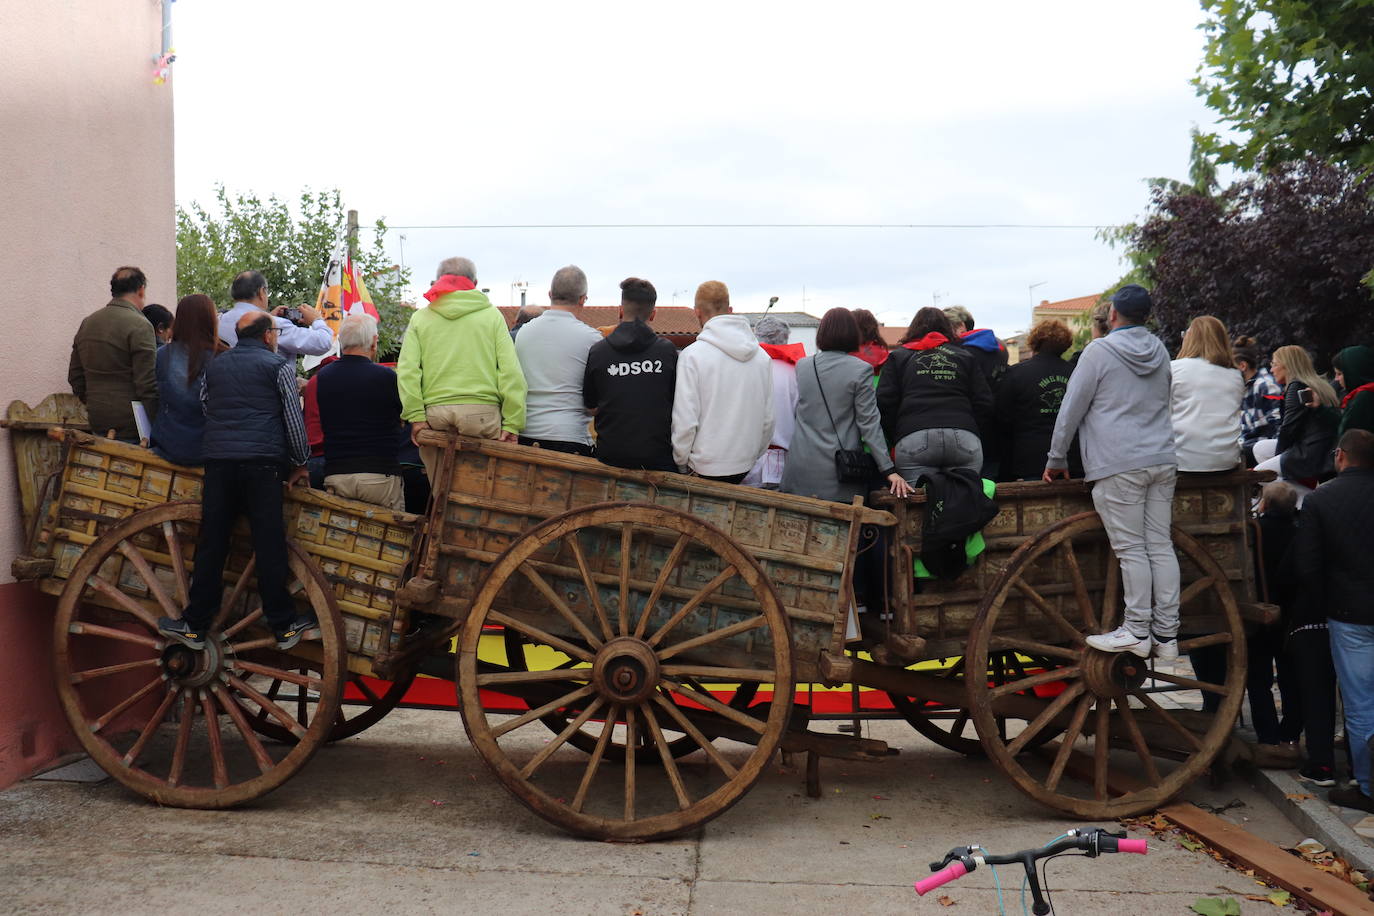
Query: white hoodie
(1206, 414)
(723, 402)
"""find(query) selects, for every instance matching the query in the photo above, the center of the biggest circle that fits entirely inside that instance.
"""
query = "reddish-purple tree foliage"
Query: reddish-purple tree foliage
(1278, 257)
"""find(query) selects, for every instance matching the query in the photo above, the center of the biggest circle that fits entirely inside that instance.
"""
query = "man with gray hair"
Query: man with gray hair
(772, 334)
(458, 368)
(553, 354)
(360, 416)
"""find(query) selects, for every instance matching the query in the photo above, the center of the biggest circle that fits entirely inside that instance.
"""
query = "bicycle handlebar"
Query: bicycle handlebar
(943, 876)
(1140, 846)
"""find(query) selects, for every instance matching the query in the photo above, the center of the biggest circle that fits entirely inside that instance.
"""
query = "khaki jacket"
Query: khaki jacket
(114, 359)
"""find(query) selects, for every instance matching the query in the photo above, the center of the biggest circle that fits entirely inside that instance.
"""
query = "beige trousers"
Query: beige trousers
(480, 420)
(379, 489)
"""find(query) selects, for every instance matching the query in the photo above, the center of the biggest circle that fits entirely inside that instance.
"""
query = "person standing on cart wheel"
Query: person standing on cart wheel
(1117, 401)
(254, 432)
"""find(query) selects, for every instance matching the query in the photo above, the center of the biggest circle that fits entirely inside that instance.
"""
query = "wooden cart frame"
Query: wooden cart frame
(626, 645)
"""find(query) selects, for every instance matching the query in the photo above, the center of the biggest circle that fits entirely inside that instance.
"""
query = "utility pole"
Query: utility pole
(352, 234)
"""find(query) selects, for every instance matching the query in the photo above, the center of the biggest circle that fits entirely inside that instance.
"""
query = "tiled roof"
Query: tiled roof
(676, 320)
(1078, 305)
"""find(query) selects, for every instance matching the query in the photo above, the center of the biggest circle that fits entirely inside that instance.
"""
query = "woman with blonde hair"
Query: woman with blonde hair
(1303, 451)
(1205, 399)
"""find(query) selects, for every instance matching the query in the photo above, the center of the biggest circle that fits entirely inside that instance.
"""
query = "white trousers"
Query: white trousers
(1137, 509)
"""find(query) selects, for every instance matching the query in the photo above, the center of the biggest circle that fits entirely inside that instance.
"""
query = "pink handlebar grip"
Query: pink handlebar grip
(1140, 846)
(944, 876)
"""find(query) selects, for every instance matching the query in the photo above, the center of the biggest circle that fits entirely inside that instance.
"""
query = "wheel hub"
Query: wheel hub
(1112, 674)
(626, 670)
(190, 668)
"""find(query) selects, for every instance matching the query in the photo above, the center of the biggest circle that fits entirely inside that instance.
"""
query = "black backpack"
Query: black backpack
(956, 509)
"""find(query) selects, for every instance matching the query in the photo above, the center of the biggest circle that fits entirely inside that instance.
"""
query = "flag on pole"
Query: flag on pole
(342, 293)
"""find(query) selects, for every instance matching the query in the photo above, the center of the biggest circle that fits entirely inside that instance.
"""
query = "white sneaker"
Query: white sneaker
(1121, 640)
(1165, 649)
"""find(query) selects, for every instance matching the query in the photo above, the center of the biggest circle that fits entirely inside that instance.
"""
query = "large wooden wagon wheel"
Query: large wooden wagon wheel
(1120, 713)
(645, 605)
(952, 727)
(365, 709)
(171, 723)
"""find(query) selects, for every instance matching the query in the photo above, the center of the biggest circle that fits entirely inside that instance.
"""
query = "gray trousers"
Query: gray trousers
(928, 450)
(1137, 508)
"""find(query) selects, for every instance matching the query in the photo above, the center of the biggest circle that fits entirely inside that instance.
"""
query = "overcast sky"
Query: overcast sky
(442, 113)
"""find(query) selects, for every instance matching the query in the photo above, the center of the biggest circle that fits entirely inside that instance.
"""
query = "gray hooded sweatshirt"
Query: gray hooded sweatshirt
(1118, 403)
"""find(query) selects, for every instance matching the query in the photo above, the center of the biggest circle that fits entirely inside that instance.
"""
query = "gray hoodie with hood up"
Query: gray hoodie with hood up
(1118, 403)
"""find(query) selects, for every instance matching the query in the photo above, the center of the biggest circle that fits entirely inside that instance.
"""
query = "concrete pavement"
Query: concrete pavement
(405, 818)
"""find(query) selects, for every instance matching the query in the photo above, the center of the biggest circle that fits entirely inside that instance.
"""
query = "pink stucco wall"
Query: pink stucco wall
(85, 186)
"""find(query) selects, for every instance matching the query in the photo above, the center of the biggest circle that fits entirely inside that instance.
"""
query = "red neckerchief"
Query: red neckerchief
(929, 342)
(788, 353)
(448, 283)
(1350, 395)
(873, 354)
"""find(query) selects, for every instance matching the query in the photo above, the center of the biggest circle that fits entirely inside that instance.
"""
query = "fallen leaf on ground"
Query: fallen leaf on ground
(945, 901)
(1299, 796)
(1190, 845)
(1216, 906)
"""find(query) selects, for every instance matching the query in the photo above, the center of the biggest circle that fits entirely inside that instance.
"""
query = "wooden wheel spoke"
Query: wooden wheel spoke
(561, 738)
(1187, 682)
(183, 581)
(125, 704)
(684, 801)
(1168, 719)
(80, 628)
(1142, 748)
(716, 706)
(539, 636)
(150, 579)
(630, 755)
(594, 762)
(755, 675)
(1199, 642)
(960, 722)
(1195, 588)
(1047, 715)
(218, 767)
(90, 674)
(1026, 683)
(499, 678)
(580, 558)
(1058, 619)
(559, 604)
(267, 707)
(1061, 757)
(243, 622)
(1032, 647)
(261, 642)
(188, 714)
(734, 629)
(302, 710)
(1111, 593)
(151, 726)
(538, 713)
(300, 680)
(1101, 749)
(358, 681)
(125, 603)
(692, 731)
(227, 604)
(1080, 587)
(625, 532)
(250, 737)
(664, 574)
(695, 601)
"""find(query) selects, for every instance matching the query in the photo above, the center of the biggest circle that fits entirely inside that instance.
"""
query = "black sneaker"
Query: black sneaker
(1351, 798)
(1318, 776)
(303, 627)
(182, 632)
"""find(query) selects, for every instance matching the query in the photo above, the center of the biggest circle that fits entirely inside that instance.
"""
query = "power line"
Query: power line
(760, 226)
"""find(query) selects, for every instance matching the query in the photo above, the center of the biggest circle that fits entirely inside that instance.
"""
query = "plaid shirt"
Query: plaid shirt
(1259, 408)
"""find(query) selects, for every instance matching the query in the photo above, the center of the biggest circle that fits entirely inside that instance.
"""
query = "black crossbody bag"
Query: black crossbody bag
(852, 465)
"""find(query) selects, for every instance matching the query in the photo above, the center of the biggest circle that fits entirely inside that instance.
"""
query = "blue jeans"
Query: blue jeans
(1352, 649)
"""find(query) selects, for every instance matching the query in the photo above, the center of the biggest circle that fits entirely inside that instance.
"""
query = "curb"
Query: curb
(1315, 817)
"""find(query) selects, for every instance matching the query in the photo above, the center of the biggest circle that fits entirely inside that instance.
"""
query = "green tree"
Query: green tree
(292, 248)
(1292, 77)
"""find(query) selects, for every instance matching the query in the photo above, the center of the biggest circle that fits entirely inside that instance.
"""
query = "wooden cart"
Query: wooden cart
(627, 646)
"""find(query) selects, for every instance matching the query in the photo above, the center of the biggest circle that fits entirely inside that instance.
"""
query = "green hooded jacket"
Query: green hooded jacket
(459, 351)
(1357, 368)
